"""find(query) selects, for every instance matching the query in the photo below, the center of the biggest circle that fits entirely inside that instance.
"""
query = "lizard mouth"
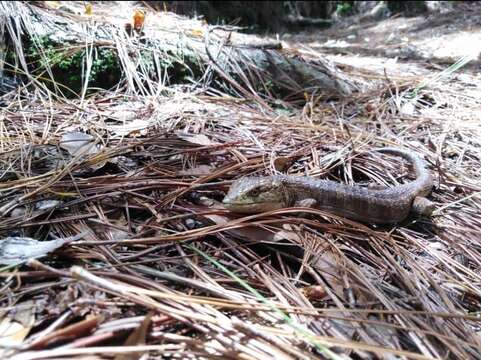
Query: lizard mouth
(243, 204)
(233, 203)
(252, 207)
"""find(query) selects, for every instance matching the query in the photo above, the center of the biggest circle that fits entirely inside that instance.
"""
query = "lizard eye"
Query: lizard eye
(255, 192)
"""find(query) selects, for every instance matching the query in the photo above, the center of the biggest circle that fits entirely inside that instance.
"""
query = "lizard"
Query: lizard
(378, 206)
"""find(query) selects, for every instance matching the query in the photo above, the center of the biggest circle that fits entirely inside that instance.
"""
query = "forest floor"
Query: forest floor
(402, 45)
(159, 267)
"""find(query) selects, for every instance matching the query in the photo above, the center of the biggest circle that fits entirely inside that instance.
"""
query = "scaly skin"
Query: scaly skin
(386, 206)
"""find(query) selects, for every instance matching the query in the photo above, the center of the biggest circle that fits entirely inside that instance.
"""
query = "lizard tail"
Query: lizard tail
(424, 181)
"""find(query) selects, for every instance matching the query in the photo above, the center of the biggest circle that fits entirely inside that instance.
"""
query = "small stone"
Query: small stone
(47, 204)
(18, 212)
(190, 223)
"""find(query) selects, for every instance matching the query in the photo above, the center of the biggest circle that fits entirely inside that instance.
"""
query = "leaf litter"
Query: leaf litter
(163, 257)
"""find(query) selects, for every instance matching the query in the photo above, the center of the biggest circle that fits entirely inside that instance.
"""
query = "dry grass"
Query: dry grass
(164, 259)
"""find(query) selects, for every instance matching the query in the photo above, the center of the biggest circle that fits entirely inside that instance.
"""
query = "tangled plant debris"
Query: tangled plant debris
(130, 181)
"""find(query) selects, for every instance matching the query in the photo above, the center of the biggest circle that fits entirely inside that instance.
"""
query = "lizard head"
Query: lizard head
(256, 194)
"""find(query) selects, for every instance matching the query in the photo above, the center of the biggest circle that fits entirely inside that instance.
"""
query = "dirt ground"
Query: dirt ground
(402, 45)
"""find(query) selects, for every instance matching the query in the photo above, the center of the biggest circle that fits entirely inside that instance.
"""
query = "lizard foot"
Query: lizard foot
(422, 206)
(309, 203)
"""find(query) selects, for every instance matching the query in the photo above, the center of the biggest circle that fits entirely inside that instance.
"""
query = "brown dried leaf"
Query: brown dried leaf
(15, 250)
(251, 233)
(135, 127)
(77, 142)
(137, 337)
(282, 163)
(199, 139)
(315, 292)
(198, 170)
(15, 327)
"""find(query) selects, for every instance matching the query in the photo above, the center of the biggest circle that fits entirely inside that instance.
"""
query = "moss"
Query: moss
(344, 8)
(68, 64)
(9, 58)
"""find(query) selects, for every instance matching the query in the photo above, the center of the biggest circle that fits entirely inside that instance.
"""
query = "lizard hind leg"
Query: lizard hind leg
(308, 203)
(422, 206)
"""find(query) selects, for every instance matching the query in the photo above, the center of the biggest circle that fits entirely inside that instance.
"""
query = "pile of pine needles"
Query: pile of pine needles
(163, 269)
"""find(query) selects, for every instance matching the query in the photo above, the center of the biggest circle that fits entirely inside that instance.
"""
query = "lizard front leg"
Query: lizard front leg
(422, 206)
(308, 203)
